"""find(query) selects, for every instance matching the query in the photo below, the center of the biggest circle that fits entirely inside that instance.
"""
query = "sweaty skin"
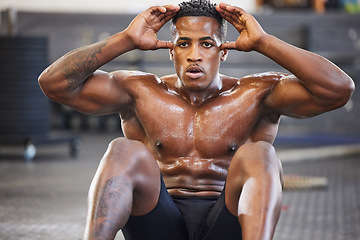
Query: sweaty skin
(194, 140)
(194, 143)
(200, 127)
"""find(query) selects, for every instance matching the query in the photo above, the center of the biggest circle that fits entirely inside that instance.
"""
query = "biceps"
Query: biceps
(291, 98)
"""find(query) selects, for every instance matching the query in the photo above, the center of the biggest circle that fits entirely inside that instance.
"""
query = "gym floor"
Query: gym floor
(46, 199)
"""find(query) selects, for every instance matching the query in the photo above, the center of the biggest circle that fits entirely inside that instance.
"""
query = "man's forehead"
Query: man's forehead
(190, 20)
(206, 26)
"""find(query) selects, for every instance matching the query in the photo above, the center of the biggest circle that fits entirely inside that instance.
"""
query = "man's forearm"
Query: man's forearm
(313, 70)
(76, 66)
(79, 64)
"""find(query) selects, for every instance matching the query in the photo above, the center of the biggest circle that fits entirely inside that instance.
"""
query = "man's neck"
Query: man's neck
(201, 96)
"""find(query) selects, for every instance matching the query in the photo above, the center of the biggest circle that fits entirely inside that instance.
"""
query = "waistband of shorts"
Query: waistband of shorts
(195, 198)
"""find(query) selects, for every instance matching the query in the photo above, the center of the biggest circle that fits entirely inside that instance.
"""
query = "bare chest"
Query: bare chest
(173, 128)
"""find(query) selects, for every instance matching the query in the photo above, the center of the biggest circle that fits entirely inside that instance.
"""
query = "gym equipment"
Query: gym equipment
(24, 109)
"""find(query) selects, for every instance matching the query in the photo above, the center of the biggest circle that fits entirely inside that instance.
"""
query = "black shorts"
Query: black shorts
(180, 218)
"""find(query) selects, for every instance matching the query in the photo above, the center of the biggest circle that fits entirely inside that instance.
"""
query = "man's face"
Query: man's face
(197, 53)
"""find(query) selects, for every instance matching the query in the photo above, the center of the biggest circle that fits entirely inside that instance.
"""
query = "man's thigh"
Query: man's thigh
(164, 222)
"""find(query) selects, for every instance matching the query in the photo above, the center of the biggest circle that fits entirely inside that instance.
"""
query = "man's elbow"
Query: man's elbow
(49, 86)
(43, 83)
(348, 89)
(344, 92)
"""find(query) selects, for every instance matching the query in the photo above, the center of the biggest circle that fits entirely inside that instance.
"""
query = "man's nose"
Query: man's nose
(194, 54)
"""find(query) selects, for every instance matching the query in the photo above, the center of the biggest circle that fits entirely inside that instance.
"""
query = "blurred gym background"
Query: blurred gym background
(330, 28)
(35, 166)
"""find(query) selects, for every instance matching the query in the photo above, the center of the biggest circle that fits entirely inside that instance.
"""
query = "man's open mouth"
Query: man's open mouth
(194, 72)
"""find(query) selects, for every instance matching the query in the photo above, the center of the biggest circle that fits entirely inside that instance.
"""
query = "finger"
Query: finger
(160, 9)
(159, 16)
(156, 10)
(172, 8)
(234, 15)
(164, 45)
(229, 11)
(168, 15)
(230, 8)
(235, 21)
(167, 10)
(229, 16)
(222, 6)
(228, 45)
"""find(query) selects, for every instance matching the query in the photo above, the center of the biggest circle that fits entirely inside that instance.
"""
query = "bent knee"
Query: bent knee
(258, 156)
(125, 154)
(126, 148)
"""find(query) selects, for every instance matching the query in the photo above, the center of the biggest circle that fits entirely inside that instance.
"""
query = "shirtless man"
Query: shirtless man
(195, 130)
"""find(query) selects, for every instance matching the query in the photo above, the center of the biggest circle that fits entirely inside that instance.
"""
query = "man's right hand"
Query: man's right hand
(143, 30)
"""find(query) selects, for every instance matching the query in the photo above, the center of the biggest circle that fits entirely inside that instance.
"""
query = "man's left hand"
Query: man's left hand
(251, 33)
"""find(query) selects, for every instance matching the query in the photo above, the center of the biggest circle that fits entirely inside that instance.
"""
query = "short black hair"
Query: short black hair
(200, 8)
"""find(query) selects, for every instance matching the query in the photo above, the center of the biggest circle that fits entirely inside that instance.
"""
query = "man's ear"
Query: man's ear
(171, 54)
(224, 54)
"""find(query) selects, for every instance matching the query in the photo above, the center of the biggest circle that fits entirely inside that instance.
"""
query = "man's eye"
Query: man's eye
(207, 44)
(183, 44)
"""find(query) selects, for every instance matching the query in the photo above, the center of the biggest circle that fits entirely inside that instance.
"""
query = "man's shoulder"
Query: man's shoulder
(150, 77)
(169, 78)
(132, 77)
(265, 76)
(265, 79)
(133, 74)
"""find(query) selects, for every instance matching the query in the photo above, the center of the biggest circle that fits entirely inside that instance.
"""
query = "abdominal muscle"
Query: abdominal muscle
(194, 176)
